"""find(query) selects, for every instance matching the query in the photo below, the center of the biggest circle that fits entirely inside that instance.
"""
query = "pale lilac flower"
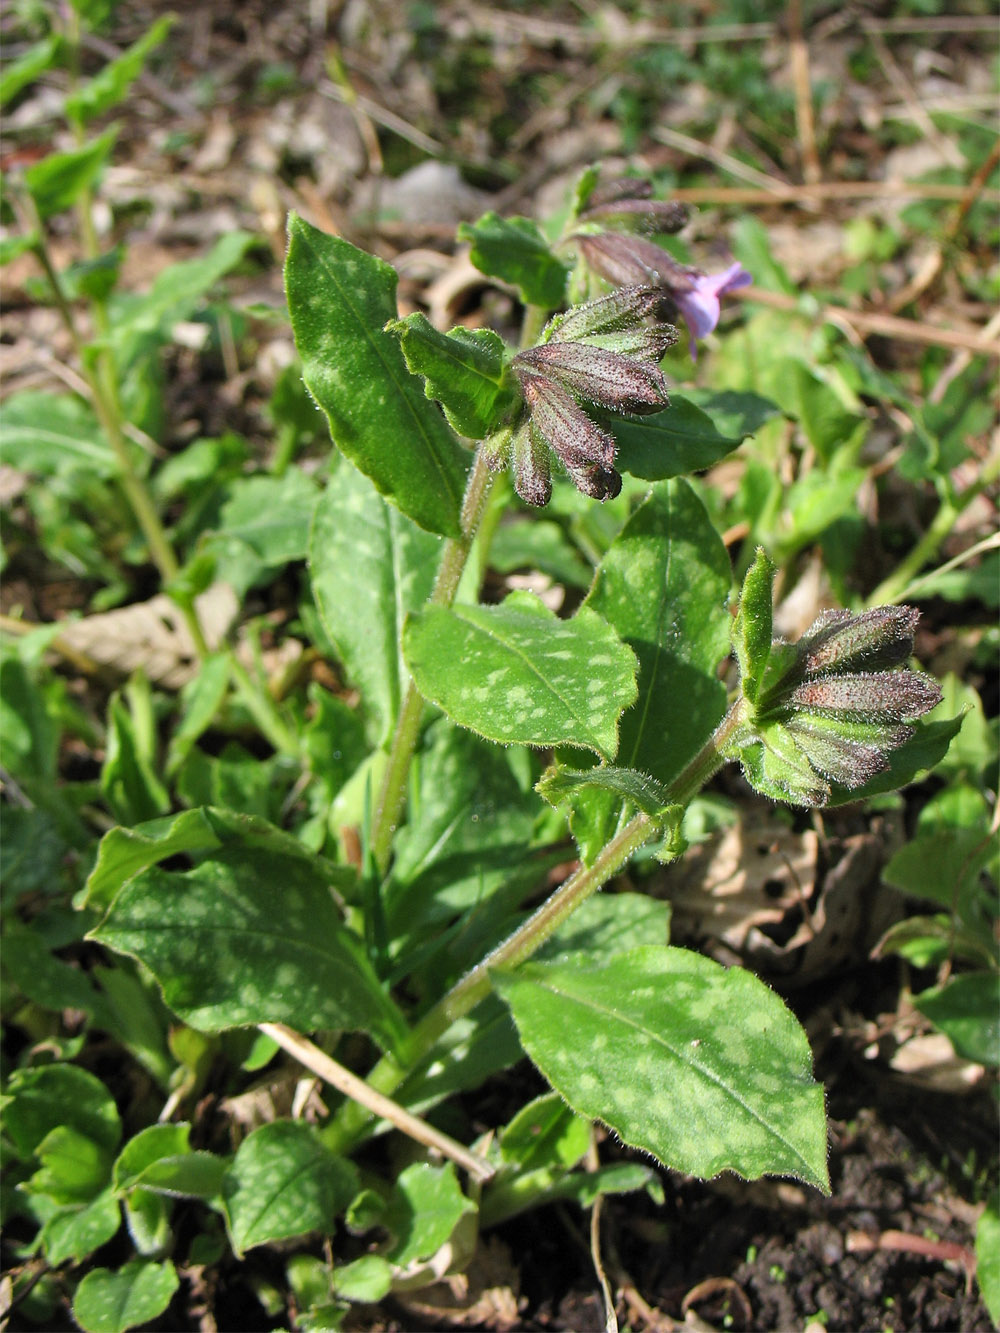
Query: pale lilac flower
(699, 305)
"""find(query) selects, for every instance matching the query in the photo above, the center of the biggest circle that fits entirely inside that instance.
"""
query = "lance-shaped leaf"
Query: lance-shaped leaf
(369, 567)
(250, 935)
(753, 623)
(58, 180)
(516, 672)
(681, 439)
(515, 251)
(700, 1065)
(340, 300)
(464, 370)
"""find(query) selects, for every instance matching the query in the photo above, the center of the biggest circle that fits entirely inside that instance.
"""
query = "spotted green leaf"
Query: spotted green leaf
(516, 672)
(283, 1182)
(700, 1065)
(370, 566)
(340, 300)
(250, 935)
(109, 1302)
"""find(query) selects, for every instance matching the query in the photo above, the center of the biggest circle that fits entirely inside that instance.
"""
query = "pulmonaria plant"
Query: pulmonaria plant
(828, 709)
(603, 353)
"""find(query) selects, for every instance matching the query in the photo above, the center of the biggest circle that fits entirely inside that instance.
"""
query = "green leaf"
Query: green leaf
(825, 420)
(340, 300)
(74, 1232)
(735, 415)
(123, 852)
(27, 67)
(129, 782)
(545, 1133)
(662, 586)
(200, 701)
(752, 247)
(108, 1302)
(12, 247)
(584, 1188)
(752, 628)
(176, 291)
(701, 1066)
(515, 251)
(607, 924)
(424, 1209)
(681, 439)
(250, 935)
(370, 566)
(30, 731)
(147, 1217)
(470, 826)
(263, 524)
(147, 1147)
(464, 370)
(58, 180)
(366, 1279)
(49, 434)
(159, 1159)
(516, 672)
(111, 85)
(45, 979)
(42, 1099)
(74, 1169)
(283, 1183)
(988, 1256)
(525, 543)
(967, 1010)
(645, 793)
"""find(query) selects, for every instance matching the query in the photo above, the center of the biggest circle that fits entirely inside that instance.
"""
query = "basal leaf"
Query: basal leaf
(282, 1183)
(516, 672)
(464, 370)
(515, 251)
(967, 1010)
(250, 935)
(700, 1065)
(340, 300)
(50, 433)
(370, 566)
(107, 1302)
(48, 1096)
(424, 1209)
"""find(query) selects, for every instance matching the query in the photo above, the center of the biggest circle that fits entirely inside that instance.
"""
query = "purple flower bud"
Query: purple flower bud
(881, 637)
(631, 261)
(843, 759)
(532, 473)
(618, 188)
(648, 215)
(882, 696)
(563, 424)
(597, 482)
(621, 383)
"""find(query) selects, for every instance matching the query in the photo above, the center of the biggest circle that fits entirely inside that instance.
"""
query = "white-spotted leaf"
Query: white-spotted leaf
(516, 673)
(700, 1065)
(283, 1182)
(370, 565)
(249, 935)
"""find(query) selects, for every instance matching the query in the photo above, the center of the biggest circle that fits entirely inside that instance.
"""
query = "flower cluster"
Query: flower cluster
(603, 353)
(609, 248)
(831, 707)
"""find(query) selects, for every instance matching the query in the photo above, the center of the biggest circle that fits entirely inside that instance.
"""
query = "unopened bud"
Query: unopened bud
(632, 261)
(621, 383)
(570, 433)
(881, 637)
(532, 473)
(882, 696)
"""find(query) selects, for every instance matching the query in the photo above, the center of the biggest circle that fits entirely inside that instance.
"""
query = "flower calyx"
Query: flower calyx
(826, 711)
(603, 354)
